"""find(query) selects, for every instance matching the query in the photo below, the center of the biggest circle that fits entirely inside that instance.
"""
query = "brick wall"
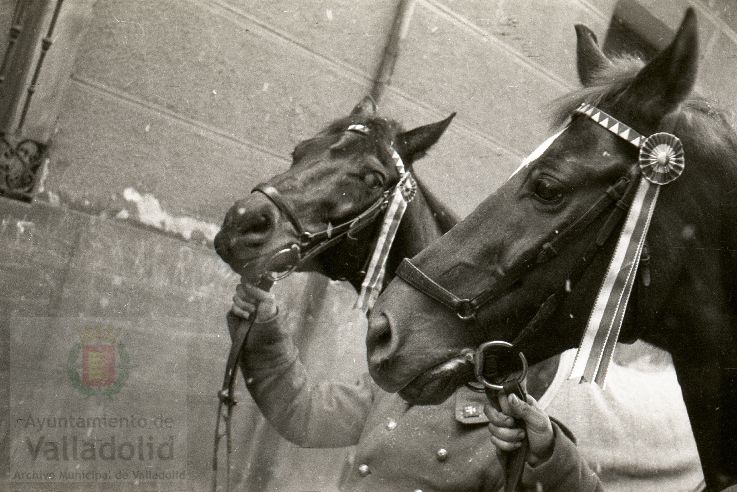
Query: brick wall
(194, 102)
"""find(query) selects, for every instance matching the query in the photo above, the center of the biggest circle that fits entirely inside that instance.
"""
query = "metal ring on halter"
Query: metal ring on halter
(465, 309)
(293, 251)
(479, 363)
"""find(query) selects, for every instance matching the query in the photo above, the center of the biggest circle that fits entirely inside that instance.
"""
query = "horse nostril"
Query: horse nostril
(260, 225)
(252, 224)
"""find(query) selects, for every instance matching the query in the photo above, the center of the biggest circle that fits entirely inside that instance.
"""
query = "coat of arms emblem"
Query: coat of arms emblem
(98, 364)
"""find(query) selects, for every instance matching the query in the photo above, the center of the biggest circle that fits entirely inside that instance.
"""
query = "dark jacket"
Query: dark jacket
(398, 446)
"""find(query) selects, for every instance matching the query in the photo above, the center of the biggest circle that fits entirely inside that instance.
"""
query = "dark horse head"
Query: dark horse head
(336, 176)
(688, 305)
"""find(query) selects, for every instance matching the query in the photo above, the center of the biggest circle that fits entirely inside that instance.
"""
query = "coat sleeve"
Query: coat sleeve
(565, 470)
(308, 413)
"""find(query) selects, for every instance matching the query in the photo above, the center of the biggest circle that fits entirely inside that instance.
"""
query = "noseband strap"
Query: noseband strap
(311, 244)
(273, 195)
(408, 272)
(618, 195)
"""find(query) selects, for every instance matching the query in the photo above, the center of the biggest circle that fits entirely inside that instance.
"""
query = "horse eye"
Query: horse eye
(373, 180)
(548, 190)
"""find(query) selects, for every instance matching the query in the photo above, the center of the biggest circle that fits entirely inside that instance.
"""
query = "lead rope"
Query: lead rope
(226, 395)
(513, 461)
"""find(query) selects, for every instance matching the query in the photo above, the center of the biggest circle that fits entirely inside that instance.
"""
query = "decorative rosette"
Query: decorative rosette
(408, 187)
(661, 158)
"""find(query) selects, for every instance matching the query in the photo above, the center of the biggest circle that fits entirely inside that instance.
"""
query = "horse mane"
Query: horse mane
(443, 215)
(605, 84)
(383, 129)
(702, 121)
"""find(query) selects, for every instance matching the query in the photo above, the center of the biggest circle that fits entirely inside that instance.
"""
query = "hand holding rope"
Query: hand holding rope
(282, 263)
(486, 355)
(226, 395)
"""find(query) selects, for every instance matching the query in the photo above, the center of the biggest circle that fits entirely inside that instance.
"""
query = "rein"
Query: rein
(308, 246)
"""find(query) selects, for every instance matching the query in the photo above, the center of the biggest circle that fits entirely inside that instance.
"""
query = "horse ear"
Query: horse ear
(590, 59)
(669, 78)
(413, 144)
(367, 107)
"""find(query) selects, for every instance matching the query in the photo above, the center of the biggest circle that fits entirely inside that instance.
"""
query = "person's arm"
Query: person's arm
(307, 413)
(553, 461)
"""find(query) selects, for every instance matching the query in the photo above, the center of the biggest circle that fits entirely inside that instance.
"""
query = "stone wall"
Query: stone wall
(189, 103)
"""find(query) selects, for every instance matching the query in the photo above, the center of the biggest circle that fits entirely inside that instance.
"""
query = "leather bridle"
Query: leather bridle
(307, 246)
(617, 200)
(614, 199)
(311, 244)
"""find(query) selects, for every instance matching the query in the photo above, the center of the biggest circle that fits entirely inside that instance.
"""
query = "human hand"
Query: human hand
(507, 435)
(249, 298)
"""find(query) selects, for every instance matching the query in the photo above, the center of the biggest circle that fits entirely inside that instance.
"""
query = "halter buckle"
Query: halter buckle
(466, 310)
(480, 358)
(305, 238)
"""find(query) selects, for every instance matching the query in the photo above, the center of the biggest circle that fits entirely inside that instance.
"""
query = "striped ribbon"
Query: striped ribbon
(602, 330)
(403, 193)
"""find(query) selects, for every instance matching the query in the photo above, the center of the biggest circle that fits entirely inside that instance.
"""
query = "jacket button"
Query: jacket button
(364, 470)
(442, 454)
(392, 424)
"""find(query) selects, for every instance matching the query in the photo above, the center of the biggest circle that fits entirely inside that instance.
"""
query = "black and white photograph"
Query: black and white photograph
(368, 245)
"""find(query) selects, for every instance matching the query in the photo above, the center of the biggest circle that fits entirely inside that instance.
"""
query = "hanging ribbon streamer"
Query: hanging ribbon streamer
(661, 161)
(602, 331)
(373, 281)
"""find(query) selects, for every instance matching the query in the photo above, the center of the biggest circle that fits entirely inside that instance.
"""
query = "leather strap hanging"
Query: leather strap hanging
(226, 395)
(486, 355)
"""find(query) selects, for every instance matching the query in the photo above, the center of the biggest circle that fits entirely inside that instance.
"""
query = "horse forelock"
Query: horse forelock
(606, 84)
(382, 132)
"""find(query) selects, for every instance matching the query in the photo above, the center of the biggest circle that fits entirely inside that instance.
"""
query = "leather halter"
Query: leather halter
(615, 196)
(310, 244)
(618, 197)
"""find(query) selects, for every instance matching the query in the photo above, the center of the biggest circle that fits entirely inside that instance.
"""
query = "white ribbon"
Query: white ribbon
(373, 281)
(602, 331)
(538, 151)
